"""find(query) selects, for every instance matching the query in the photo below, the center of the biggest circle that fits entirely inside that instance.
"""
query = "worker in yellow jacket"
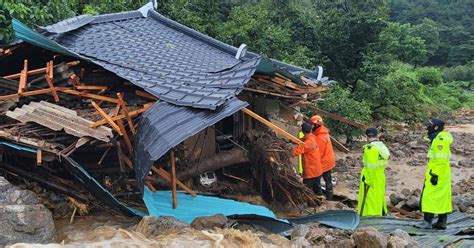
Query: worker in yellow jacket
(436, 195)
(371, 201)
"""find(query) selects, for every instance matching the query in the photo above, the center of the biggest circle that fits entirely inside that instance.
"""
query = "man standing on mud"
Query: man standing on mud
(436, 195)
(312, 169)
(328, 159)
(371, 201)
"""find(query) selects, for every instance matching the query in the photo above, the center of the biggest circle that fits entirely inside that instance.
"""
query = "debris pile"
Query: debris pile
(274, 177)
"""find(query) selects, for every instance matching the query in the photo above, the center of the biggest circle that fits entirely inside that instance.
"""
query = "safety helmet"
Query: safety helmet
(316, 120)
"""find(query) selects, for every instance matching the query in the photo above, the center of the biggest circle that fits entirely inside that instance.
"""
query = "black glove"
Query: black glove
(434, 179)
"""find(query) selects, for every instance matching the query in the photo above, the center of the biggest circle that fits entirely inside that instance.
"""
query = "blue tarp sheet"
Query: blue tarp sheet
(189, 207)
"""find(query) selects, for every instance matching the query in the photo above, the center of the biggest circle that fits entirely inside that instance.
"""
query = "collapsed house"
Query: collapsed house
(133, 102)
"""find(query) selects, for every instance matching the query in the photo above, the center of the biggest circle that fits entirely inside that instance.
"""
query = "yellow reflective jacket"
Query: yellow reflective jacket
(300, 157)
(436, 199)
(375, 160)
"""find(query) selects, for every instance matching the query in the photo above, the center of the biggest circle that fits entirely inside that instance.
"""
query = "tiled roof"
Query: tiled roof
(174, 63)
(166, 125)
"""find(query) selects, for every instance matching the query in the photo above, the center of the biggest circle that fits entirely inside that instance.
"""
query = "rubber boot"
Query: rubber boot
(442, 222)
(328, 195)
(426, 223)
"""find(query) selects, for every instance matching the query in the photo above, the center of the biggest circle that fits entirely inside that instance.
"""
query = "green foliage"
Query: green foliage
(463, 73)
(401, 41)
(429, 76)
(448, 97)
(454, 20)
(5, 24)
(339, 100)
(395, 95)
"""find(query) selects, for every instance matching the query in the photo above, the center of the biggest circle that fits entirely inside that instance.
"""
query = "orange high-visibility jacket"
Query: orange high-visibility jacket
(311, 158)
(328, 159)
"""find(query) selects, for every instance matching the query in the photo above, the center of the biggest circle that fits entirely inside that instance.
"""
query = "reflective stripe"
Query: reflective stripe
(376, 165)
(445, 156)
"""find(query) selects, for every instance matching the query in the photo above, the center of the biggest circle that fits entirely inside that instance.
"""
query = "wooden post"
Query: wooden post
(125, 136)
(107, 118)
(272, 126)
(39, 157)
(38, 71)
(23, 78)
(173, 178)
(125, 112)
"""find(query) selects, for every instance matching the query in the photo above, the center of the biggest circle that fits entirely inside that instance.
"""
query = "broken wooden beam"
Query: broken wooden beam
(273, 94)
(146, 95)
(39, 157)
(338, 117)
(173, 179)
(223, 159)
(38, 71)
(339, 145)
(150, 186)
(125, 112)
(126, 138)
(119, 117)
(107, 118)
(164, 174)
(87, 95)
(272, 126)
(91, 87)
(23, 78)
(52, 88)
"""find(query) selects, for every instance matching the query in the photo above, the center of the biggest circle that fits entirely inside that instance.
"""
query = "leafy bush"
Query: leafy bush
(429, 76)
(449, 96)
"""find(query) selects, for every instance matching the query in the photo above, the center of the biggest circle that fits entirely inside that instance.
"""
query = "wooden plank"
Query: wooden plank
(52, 88)
(51, 69)
(339, 145)
(272, 126)
(338, 117)
(125, 136)
(88, 95)
(91, 87)
(150, 186)
(23, 77)
(27, 93)
(127, 161)
(145, 95)
(164, 174)
(125, 112)
(173, 178)
(107, 118)
(39, 157)
(38, 71)
(119, 117)
(273, 94)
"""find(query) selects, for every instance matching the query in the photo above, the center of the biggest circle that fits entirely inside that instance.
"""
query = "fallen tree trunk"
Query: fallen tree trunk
(235, 156)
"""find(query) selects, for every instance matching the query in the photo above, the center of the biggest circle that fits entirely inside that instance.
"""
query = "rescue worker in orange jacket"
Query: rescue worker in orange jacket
(328, 159)
(312, 169)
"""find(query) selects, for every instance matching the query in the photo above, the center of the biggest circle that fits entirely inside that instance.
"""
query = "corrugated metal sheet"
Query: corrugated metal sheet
(59, 118)
(457, 222)
(165, 125)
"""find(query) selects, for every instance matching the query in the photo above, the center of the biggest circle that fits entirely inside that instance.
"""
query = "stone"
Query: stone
(209, 222)
(22, 219)
(396, 197)
(368, 237)
(301, 242)
(300, 231)
(343, 243)
(401, 239)
(316, 234)
(413, 202)
(416, 192)
(152, 226)
(406, 192)
(26, 224)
